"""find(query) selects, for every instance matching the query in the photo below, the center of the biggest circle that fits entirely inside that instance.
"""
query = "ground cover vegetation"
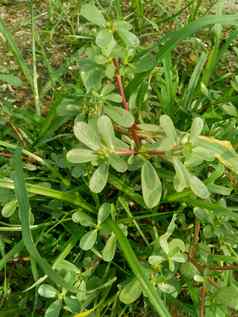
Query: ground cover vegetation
(118, 158)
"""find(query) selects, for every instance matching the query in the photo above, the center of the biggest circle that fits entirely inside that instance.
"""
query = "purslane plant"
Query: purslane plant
(156, 192)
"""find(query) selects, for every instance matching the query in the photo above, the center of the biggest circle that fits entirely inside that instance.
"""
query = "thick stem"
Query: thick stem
(202, 301)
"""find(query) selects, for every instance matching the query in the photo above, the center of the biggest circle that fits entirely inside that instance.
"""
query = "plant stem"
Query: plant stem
(119, 84)
(202, 301)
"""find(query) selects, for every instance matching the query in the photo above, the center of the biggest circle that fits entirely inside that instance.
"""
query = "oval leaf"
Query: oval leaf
(103, 212)
(9, 208)
(168, 126)
(180, 180)
(99, 178)
(47, 291)
(87, 135)
(110, 248)
(54, 309)
(82, 218)
(196, 129)
(92, 14)
(120, 116)
(80, 156)
(88, 240)
(151, 185)
(198, 187)
(131, 292)
(117, 163)
(105, 41)
(106, 131)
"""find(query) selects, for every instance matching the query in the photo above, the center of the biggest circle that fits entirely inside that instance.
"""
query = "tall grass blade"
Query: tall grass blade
(193, 82)
(16, 52)
(24, 215)
(35, 74)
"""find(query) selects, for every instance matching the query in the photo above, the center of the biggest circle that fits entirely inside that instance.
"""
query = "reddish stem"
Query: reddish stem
(119, 85)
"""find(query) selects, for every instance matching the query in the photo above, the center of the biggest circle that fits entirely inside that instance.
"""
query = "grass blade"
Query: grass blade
(193, 82)
(132, 260)
(24, 215)
(192, 28)
(16, 52)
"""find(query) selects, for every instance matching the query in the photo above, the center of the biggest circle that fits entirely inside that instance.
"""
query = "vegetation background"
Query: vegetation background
(66, 248)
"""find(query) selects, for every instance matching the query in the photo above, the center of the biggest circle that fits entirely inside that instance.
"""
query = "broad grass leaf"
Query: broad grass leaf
(198, 187)
(86, 134)
(82, 218)
(106, 131)
(109, 250)
(88, 240)
(99, 178)
(11, 80)
(54, 309)
(78, 156)
(130, 292)
(93, 14)
(167, 125)
(9, 208)
(118, 163)
(47, 291)
(151, 185)
(120, 116)
(85, 313)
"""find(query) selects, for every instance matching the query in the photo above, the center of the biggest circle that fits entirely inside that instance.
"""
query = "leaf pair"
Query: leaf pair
(184, 179)
(89, 239)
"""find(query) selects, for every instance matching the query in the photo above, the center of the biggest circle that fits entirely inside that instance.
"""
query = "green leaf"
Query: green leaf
(196, 129)
(109, 250)
(92, 79)
(129, 39)
(92, 14)
(151, 185)
(103, 212)
(80, 156)
(130, 292)
(47, 291)
(228, 296)
(9, 208)
(168, 126)
(155, 261)
(114, 98)
(120, 116)
(180, 180)
(54, 309)
(82, 218)
(105, 41)
(86, 134)
(198, 187)
(99, 178)
(167, 288)
(106, 131)
(117, 163)
(11, 80)
(88, 240)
